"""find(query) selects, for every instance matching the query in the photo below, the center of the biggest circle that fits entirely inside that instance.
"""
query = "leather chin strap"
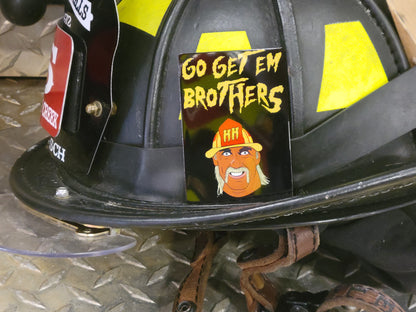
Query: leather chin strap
(261, 294)
(359, 296)
(298, 243)
(191, 292)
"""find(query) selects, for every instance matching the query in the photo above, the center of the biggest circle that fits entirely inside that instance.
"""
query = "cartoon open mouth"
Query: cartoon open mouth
(236, 173)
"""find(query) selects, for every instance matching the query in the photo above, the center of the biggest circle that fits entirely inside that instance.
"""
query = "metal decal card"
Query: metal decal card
(235, 115)
(56, 86)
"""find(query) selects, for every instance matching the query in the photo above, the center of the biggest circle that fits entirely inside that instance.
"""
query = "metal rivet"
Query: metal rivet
(247, 255)
(62, 192)
(186, 306)
(95, 109)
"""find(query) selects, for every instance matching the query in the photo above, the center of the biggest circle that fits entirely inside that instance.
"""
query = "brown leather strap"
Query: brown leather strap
(259, 291)
(191, 292)
(359, 296)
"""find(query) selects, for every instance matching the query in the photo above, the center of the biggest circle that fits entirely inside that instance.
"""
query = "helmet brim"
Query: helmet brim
(35, 178)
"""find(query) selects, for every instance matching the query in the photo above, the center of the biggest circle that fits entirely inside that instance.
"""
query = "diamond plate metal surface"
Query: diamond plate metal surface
(147, 277)
(25, 51)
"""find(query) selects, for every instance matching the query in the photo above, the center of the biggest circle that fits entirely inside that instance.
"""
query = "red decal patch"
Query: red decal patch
(56, 86)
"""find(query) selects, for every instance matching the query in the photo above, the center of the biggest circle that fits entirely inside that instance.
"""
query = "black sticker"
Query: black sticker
(235, 114)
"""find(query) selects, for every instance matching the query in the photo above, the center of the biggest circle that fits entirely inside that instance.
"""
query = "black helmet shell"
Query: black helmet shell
(130, 168)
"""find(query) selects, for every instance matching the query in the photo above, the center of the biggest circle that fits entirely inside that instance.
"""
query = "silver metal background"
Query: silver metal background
(145, 278)
(24, 51)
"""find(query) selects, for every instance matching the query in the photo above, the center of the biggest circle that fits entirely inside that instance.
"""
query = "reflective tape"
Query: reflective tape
(143, 14)
(352, 67)
(223, 41)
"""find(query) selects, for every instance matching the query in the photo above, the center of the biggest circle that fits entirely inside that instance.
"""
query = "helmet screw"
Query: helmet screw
(114, 109)
(186, 306)
(95, 109)
(62, 192)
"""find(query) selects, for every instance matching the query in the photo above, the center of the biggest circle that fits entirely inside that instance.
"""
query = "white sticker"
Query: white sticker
(82, 10)
(57, 150)
(49, 83)
(68, 20)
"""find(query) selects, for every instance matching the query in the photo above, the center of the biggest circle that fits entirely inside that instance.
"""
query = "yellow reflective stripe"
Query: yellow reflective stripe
(143, 14)
(352, 67)
(223, 41)
(192, 196)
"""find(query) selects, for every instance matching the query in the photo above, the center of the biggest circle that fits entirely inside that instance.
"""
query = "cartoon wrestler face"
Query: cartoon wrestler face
(237, 170)
(237, 160)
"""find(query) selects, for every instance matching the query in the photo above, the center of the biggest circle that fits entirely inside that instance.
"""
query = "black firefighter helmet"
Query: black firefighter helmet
(223, 114)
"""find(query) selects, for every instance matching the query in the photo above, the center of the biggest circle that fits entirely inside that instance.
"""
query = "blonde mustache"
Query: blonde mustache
(240, 170)
(263, 179)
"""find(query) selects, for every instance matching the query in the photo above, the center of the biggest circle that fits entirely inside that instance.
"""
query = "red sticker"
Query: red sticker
(56, 86)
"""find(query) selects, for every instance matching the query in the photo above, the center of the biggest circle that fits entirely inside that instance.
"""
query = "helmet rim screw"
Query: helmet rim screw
(95, 109)
(62, 192)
